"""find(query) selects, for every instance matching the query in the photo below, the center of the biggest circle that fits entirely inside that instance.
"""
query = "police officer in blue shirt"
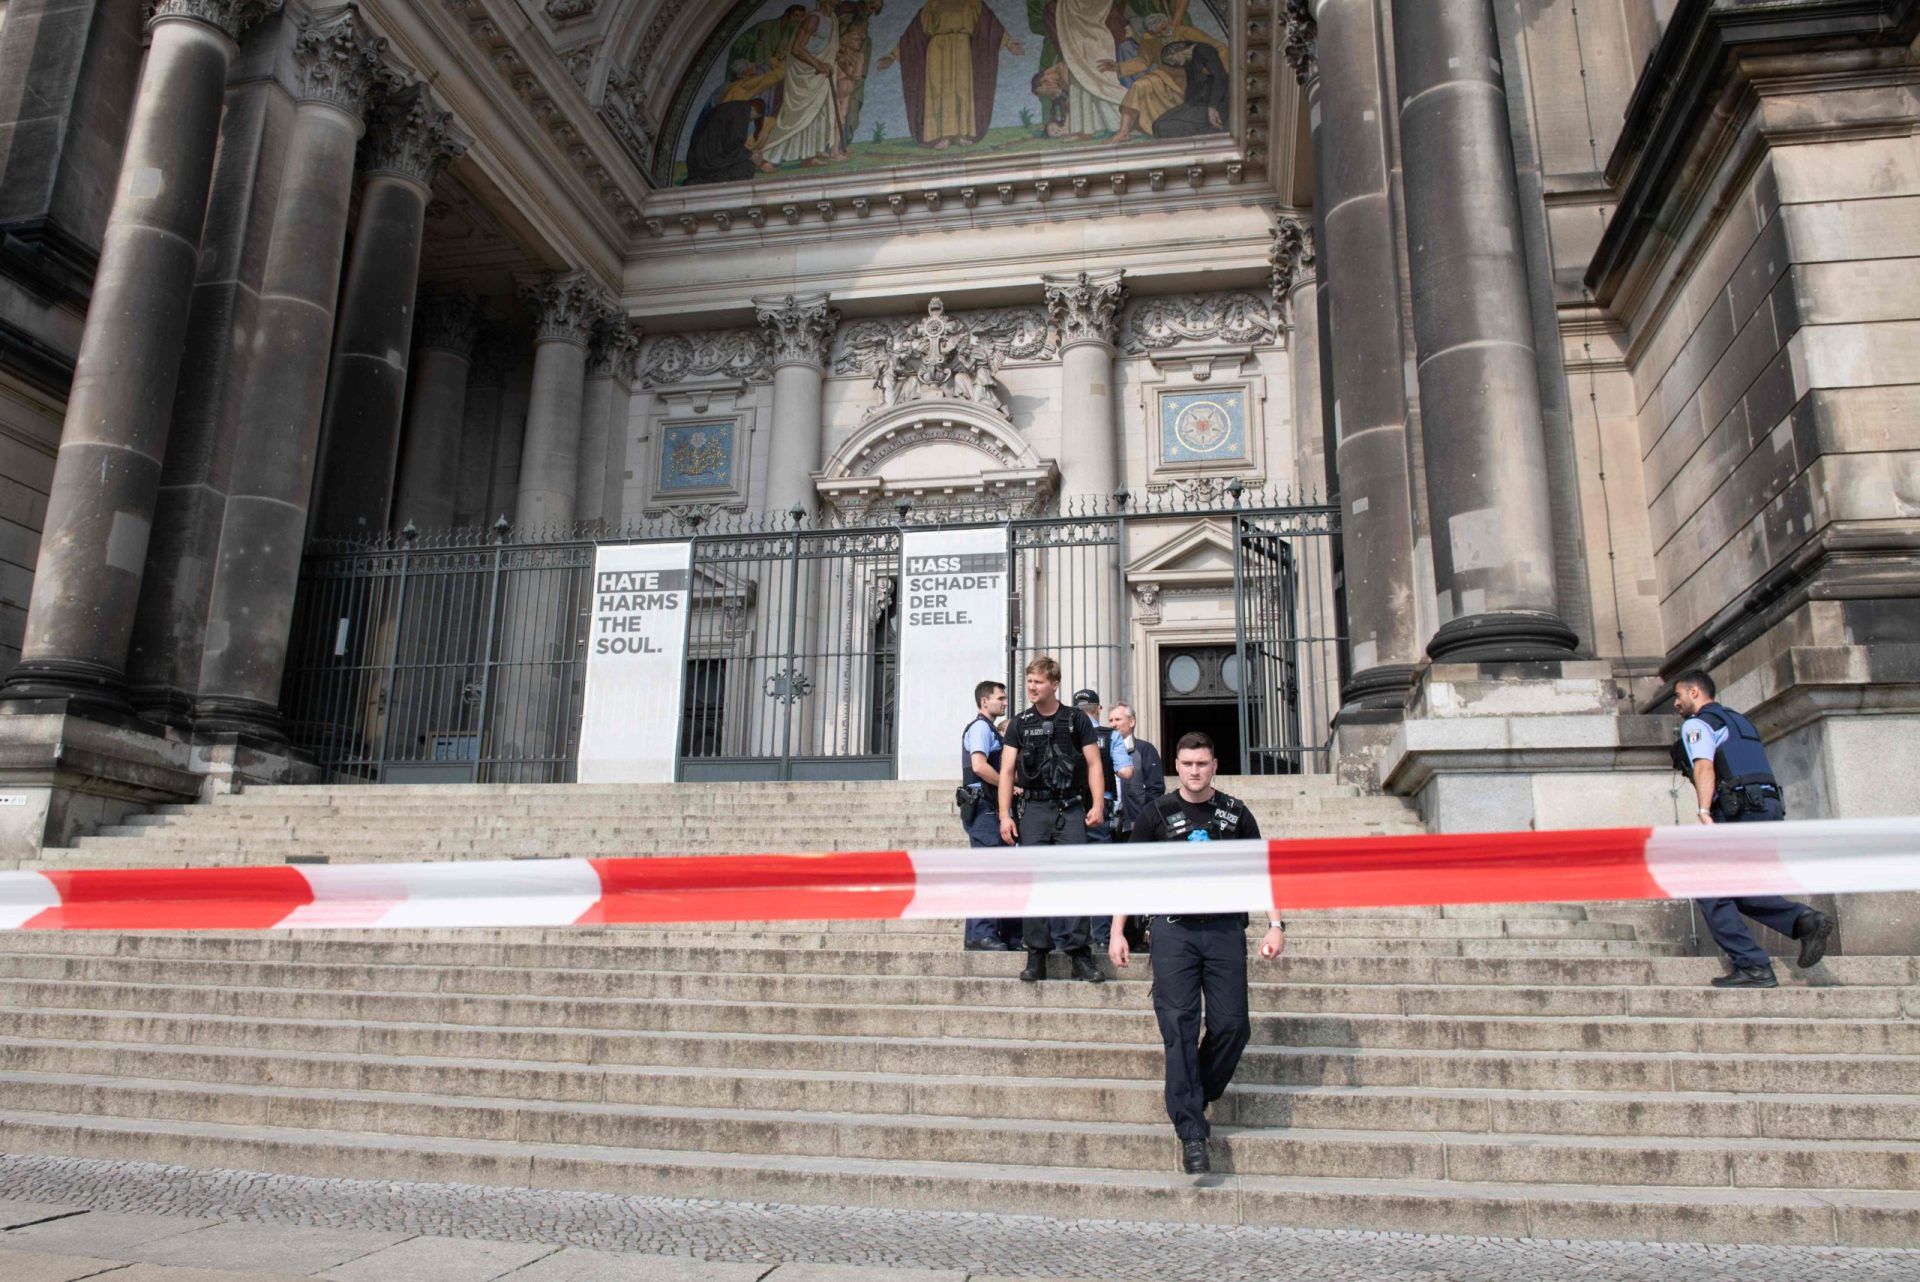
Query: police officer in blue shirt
(1118, 764)
(980, 746)
(1733, 782)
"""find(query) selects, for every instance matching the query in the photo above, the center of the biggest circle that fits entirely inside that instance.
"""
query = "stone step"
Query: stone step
(1712, 1072)
(1269, 994)
(1864, 1218)
(727, 957)
(1466, 1157)
(1799, 1116)
(1061, 1011)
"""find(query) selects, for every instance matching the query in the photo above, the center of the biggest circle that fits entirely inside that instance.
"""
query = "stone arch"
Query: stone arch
(936, 453)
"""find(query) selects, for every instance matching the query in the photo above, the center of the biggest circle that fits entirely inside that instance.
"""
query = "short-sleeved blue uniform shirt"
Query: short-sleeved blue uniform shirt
(1700, 739)
(981, 738)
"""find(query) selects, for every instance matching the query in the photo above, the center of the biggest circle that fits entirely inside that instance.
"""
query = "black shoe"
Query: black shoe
(1084, 968)
(1748, 977)
(1814, 930)
(1036, 968)
(987, 946)
(1193, 1157)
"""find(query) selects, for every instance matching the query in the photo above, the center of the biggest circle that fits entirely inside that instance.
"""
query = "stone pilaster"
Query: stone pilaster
(1364, 383)
(799, 329)
(566, 309)
(446, 325)
(407, 141)
(480, 429)
(338, 64)
(603, 419)
(1485, 440)
(1084, 310)
(106, 480)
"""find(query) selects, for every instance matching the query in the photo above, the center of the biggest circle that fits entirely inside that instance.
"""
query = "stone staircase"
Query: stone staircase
(1545, 1071)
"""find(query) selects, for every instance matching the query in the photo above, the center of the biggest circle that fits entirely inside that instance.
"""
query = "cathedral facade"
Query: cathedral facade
(1566, 347)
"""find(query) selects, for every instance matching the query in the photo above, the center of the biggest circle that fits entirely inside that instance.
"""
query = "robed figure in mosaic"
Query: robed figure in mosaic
(949, 58)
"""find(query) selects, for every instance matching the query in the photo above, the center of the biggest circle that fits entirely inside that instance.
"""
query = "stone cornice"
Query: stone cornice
(409, 136)
(800, 329)
(1085, 307)
(230, 18)
(1707, 48)
(338, 60)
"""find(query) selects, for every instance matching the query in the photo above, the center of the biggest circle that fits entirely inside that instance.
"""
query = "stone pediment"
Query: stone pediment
(1201, 555)
(944, 451)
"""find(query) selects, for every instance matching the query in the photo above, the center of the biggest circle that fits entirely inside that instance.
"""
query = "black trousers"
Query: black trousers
(1192, 960)
(1048, 823)
(1723, 916)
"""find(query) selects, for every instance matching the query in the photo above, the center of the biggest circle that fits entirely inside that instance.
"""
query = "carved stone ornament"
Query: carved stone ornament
(408, 135)
(566, 308)
(799, 329)
(1242, 318)
(1021, 334)
(936, 358)
(734, 354)
(1302, 34)
(1146, 600)
(229, 17)
(616, 348)
(566, 10)
(446, 318)
(339, 61)
(1082, 308)
(1292, 256)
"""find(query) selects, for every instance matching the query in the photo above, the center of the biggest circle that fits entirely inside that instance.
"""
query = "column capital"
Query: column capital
(1303, 34)
(447, 318)
(230, 18)
(1291, 256)
(407, 135)
(566, 306)
(1085, 307)
(800, 328)
(337, 60)
(616, 349)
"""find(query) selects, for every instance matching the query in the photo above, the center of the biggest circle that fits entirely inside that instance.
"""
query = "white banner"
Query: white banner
(953, 635)
(636, 660)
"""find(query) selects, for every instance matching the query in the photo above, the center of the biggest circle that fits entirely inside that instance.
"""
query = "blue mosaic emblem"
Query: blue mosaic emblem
(696, 456)
(1204, 427)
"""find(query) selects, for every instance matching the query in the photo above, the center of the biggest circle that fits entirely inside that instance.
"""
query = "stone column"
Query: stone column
(480, 430)
(626, 372)
(1296, 293)
(407, 142)
(338, 64)
(1083, 310)
(100, 510)
(446, 323)
(566, 309)
(1364, 397)
(609, 374)
(1479, 382)
(800, 332)
(516, 393)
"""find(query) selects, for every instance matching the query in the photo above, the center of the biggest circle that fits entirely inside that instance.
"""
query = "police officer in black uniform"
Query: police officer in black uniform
(1052, 756)
(1733, 782)
(1198, 955)
(980, 747)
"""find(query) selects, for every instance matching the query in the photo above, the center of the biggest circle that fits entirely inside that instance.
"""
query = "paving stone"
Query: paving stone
(441, 1259)
(34, 1266)
(861, 1273)
(105, 1232)
(575, 1264)
(15, 1215)
(169, 1273)
(287, 1248)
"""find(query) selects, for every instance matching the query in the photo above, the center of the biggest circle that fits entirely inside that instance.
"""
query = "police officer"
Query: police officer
(1053, 757)
(1114, 762)
(980, 746)
(1198, 955)
(1733, 783)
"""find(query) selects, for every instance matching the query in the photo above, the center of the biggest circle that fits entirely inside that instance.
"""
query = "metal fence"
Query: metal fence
(461, 656)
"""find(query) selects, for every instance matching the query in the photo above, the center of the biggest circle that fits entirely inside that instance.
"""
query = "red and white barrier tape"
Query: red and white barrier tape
(1793, 859)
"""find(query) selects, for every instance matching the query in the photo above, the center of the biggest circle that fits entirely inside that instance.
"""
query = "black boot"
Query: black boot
(1193, 1157)
(1748, 977)
(1085, 968)
(1814, 930)
(1036, 967)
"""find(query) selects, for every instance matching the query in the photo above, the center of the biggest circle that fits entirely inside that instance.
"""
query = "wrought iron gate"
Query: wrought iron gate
(416, 662)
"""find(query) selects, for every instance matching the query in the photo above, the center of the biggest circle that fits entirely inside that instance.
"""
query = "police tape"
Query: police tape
(1792, 859)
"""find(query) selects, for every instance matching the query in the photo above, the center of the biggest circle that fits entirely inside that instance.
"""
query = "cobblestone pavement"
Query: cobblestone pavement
(980, 1245)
